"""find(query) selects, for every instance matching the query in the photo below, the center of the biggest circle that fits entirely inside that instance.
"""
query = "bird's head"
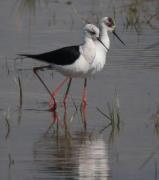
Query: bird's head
(108, 24)
(91, 31)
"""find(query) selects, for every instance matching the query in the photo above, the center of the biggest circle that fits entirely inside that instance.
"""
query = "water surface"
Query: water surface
(29, 149)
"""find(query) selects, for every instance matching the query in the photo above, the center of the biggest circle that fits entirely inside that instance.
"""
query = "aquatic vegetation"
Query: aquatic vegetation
(29, 5)
(7, 118)
(11, 160)
(19, 85)
(155, 119)
(113, 117)
(138, 13)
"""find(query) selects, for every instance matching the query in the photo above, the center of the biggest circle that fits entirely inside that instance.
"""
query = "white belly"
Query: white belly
(79, 68)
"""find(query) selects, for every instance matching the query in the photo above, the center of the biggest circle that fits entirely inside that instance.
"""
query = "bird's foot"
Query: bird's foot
(53, 107)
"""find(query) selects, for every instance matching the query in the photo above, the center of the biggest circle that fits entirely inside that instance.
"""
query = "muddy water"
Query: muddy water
(30, 148)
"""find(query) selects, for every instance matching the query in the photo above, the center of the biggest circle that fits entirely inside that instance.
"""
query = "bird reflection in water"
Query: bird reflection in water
(63, 119)
(82, 155)
(94, 160)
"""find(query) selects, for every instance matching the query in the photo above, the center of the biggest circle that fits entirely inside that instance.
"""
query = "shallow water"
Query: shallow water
(30, 148)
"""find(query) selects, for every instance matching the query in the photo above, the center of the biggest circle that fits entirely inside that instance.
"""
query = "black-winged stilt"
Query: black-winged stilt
(71, 61)
(106, 25)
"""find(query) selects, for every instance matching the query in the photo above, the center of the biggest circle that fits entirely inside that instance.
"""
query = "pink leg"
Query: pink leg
(84, 98)
(84, 101)
(35, 70)
(53, 94)
(67, 91)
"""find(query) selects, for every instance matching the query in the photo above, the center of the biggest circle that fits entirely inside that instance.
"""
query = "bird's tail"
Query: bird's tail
(32, 56)
(28, 55)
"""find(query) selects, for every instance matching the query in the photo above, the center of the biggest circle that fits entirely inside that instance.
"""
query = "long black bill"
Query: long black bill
(119, 38)
(102, 44)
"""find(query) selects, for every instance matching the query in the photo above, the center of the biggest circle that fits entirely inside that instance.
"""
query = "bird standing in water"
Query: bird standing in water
(78, 61)
(71, 61)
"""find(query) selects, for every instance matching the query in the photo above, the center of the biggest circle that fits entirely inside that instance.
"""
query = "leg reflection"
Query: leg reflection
(84, 104)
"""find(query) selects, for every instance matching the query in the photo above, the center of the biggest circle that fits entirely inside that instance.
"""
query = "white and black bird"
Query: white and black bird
(106, 25)
(71, 61)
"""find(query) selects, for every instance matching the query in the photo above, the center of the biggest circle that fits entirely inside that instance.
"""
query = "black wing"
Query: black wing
(63, 56)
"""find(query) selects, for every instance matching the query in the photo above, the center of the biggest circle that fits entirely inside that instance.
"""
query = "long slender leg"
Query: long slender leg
(35, 70)
(84, 98)
(84, 102)
(67, 91)
(65, 108)
(53, 94)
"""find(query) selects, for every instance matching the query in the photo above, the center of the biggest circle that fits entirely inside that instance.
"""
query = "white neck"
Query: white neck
(88, 49)
(87, 40)
(104, 37)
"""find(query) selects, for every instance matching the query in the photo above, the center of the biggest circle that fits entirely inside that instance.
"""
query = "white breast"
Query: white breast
(89, 51)
(100, 59)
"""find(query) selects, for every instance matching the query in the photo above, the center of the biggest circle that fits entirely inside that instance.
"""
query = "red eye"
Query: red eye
(109, 22)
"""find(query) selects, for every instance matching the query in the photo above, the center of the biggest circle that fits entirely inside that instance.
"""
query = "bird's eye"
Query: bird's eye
(92, 32)
(109, 22)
